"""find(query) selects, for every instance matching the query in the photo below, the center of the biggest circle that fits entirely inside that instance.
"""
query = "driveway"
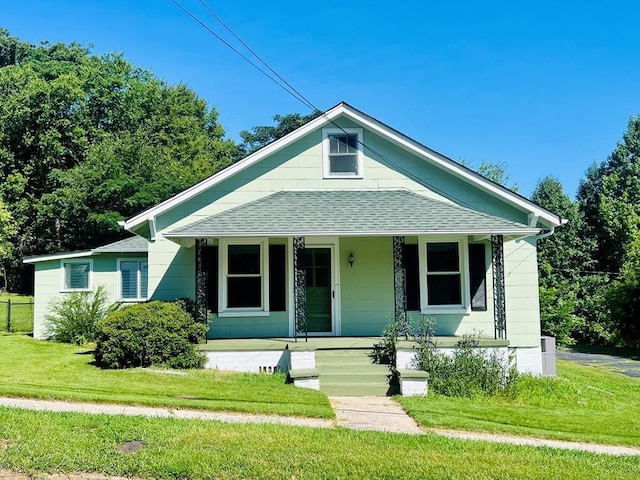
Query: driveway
(624, 365)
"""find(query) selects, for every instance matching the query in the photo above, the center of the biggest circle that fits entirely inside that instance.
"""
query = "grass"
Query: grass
(21, 313)
(43, 369)
(35, 442)
(585, 403)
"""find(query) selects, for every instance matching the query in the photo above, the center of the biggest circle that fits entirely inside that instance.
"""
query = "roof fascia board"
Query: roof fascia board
(60, 256)
(153, 212)
(434, 157)
(373, 233)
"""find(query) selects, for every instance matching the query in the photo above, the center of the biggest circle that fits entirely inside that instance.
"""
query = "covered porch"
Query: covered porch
(301, 264)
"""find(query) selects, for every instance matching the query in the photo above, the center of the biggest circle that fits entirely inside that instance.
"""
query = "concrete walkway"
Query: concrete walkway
(380, 414)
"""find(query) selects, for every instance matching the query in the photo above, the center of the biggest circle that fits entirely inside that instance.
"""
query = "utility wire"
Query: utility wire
(287, 87)
(212, 32)
(291, 87)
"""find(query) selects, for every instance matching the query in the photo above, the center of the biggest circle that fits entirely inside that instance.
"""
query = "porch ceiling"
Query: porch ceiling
(348, 212)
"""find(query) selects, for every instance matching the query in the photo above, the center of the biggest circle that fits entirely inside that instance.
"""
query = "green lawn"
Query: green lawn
(42, 369)
(46, 442)
(585, 403)
(21, 313)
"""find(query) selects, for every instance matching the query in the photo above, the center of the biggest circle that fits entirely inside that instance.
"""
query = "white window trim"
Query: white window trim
(138, 281)
(463, 258)
(223, 310)
(326, 133)
(63, 286)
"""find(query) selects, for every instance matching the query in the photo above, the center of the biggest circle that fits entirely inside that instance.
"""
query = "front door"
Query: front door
(319, 283)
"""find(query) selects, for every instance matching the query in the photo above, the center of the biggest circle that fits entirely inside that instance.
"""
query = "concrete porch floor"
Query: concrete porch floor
(314, 343)
(325, 343)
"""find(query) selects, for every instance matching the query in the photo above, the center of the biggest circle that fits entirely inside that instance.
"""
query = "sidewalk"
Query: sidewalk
(380, 414)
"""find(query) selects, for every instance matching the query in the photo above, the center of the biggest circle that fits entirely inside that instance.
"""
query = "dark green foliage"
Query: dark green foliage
(263, 135)
(154, 333)
(74, 317)
(86, 141)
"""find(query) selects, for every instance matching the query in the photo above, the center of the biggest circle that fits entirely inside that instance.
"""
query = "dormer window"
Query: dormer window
(342, 153)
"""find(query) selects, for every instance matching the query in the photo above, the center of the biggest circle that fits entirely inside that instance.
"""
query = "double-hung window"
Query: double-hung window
(443, 275)
(342, 153)
(243, 285)
(76, 275)
(134, 279)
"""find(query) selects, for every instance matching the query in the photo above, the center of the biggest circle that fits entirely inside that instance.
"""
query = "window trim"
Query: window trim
(63, 276)
(326, 164)
(223, 262)
(463, 258)
(138, 280)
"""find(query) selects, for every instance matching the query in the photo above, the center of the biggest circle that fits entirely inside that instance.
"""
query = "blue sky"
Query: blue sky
(546, 87)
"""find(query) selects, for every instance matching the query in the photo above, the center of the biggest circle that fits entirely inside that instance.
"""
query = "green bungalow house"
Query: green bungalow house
(330, 231)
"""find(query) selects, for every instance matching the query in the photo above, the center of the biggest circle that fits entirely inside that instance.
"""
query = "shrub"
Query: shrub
(468, 371)
(74, 317)
(154, 333)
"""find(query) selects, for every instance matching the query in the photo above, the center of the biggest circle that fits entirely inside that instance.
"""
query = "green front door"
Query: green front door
(319, 289)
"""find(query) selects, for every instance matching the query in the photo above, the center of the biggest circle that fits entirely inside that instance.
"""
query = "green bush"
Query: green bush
(155, 333)
(74, 317)
(471, 370)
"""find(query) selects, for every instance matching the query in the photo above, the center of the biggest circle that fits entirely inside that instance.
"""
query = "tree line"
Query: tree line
(89, 140)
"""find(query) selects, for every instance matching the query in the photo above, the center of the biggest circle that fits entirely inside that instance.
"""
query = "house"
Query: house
(329, 232)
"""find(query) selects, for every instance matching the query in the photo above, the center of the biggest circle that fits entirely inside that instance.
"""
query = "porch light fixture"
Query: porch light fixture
(350, 259)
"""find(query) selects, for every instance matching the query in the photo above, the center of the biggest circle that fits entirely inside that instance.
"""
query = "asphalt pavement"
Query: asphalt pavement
(627, 366)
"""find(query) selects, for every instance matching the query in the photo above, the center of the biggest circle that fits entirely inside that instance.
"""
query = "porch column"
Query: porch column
(201, 282)
(499, 304)
(399, 281)
(299, 288)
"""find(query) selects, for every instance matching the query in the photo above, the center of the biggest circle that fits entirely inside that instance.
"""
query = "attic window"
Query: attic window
(342, 153)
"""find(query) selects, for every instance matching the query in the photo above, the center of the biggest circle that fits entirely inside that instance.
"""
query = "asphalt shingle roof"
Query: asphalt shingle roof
(128, 245)
(348, 212)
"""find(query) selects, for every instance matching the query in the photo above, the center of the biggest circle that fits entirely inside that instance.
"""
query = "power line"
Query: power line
(212, 32)
(291, 90)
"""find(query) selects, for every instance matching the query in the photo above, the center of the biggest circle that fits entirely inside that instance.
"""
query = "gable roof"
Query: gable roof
(348, 212)
(133, 244)
(343, 109)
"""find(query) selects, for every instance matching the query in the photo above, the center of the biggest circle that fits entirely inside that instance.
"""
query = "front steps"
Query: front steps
(351, 373)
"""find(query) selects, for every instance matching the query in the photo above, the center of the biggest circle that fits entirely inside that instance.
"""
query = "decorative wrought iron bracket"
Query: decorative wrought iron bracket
(499, 301)
(399, 280)
(299, 289)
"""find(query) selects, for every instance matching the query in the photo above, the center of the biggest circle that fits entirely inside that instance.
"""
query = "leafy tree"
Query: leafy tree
(86, 141)
(7, 230)
(609, 198)
(262, 135)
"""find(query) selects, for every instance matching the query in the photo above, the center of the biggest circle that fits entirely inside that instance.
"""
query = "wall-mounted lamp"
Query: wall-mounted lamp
(350, 259)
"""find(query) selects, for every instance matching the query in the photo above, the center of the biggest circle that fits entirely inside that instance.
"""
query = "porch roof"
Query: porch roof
(348, 212)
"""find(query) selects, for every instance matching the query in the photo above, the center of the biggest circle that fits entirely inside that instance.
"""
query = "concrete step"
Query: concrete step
(354, 390)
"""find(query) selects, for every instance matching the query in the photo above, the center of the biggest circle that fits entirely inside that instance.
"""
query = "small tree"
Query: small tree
(73, 318)
(154, 333)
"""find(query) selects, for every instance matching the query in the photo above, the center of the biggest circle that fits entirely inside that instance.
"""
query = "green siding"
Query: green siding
(48, 282)
(274, 325)
(366, 289)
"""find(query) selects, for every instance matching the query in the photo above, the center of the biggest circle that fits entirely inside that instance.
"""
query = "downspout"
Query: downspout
(546, 234)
